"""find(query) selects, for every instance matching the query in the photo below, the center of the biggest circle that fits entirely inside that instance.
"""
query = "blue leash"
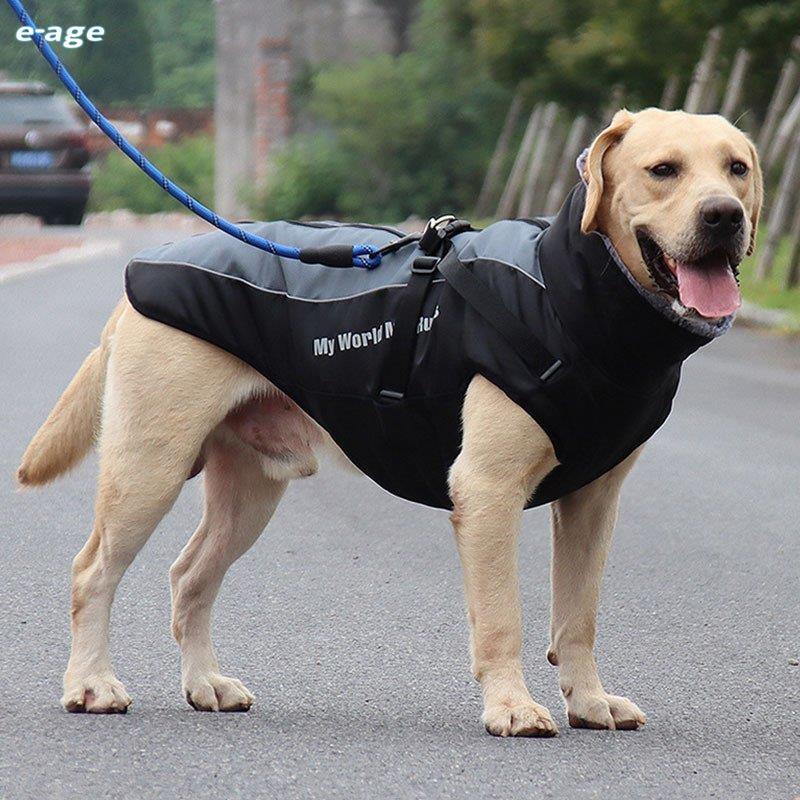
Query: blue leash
(360, 255)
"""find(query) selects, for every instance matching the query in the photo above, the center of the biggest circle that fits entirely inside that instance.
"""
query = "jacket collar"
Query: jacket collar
(632, 334)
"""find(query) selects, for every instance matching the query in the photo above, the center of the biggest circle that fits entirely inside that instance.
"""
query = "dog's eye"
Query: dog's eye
(739, 168)
(664, 170)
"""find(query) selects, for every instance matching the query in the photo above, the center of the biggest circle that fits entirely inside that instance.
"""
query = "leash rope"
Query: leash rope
(360, 255)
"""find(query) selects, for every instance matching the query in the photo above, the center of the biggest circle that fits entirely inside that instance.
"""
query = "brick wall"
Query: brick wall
(258, 44)
(272, 111)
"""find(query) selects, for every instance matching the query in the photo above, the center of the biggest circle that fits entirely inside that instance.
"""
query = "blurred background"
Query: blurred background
(381, 110)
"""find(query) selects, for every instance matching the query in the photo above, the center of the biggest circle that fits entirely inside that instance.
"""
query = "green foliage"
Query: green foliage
(306, 180)
(120, 67)
(20, 60)
(512, 36)
(769, 28)
(574, 51)
(410, 133)
(154, 53)
(119, 183)
(183, 52)
(413, 133)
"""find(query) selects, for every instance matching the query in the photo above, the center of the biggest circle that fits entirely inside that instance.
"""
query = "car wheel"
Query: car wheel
(65, 216)
(74, 216)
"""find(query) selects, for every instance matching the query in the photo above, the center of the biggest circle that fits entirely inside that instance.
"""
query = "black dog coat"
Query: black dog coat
(547, 314)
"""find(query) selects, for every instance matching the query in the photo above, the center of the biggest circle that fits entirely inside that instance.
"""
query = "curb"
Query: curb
(66, 255)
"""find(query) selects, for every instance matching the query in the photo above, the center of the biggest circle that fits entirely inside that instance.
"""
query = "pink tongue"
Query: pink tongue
(708, 287)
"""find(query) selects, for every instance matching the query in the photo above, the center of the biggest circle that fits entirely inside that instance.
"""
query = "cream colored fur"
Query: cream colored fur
(69, 431)
(163, 404)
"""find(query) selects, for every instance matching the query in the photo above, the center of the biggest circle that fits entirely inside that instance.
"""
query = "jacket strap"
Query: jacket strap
(402, 345)
(485, 302)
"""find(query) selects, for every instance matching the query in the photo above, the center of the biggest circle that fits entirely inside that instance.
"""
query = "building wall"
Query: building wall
(259, 43)
(326, 31)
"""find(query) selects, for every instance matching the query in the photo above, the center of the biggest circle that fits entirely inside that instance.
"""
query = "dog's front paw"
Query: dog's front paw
(215, 692)
(95, 694)
(603, 712)
(523, 719)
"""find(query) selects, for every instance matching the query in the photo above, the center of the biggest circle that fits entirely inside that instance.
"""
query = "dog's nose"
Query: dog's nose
(721, 216)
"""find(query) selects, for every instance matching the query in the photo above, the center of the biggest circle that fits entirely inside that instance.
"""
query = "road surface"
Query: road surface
(346, 619)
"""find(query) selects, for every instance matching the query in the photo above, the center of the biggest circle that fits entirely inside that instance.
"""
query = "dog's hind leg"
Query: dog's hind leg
(503, 457)
(583, 523)
(165, 392)
(239, 501)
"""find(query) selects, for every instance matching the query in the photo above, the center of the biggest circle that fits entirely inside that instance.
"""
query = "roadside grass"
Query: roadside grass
(771, 293)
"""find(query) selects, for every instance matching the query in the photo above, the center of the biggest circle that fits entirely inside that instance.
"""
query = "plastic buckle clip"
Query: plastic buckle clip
(424, 265)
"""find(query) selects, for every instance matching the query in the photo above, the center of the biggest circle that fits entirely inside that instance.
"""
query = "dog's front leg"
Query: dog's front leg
(504, 455)
(583, 524)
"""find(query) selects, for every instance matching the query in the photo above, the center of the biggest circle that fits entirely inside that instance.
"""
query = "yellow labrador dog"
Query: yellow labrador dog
(153, 398)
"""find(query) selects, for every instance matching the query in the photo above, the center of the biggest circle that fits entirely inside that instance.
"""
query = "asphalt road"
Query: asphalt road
(346, 619)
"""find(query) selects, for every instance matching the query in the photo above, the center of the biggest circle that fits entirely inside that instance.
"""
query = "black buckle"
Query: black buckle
(424, 265)
(433, 236)
(439, 230)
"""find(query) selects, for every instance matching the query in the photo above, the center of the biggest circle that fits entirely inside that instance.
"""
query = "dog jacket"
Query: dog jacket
(382, 359)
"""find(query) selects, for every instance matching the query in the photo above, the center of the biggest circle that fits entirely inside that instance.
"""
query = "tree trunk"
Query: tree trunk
(733, 91)
(537, 162)
(511, 191)
(787, 189)
(792, 279)
(492, 179)
(703, 73)
(784, 134)
(780, 97)
(565, 174)
(615, 101)
(670, 94)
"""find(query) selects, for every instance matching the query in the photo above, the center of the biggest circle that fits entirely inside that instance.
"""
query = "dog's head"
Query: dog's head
(679, 196)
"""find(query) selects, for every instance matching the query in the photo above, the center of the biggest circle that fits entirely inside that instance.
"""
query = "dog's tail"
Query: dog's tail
(69, 432)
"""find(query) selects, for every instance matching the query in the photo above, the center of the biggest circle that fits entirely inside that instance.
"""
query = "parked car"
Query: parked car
(44, 155)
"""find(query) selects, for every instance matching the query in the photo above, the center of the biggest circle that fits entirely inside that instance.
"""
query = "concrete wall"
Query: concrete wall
(258, 45)
(325, 31)
(240, 26)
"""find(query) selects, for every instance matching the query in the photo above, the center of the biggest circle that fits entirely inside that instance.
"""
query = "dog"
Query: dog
(675, 196)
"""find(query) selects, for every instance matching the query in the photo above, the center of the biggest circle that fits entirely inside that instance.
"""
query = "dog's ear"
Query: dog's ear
(758, 187)
(593, 165)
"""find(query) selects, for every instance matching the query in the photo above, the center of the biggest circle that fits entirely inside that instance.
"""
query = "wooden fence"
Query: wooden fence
(536, 177)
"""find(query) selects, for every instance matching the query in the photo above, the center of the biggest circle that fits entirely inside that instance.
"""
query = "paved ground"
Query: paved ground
(25, 238)
(346, 619)
(18, 248)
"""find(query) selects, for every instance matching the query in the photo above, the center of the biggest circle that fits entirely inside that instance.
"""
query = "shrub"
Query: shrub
(402, 135)
(306, 179)
(119, 183)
